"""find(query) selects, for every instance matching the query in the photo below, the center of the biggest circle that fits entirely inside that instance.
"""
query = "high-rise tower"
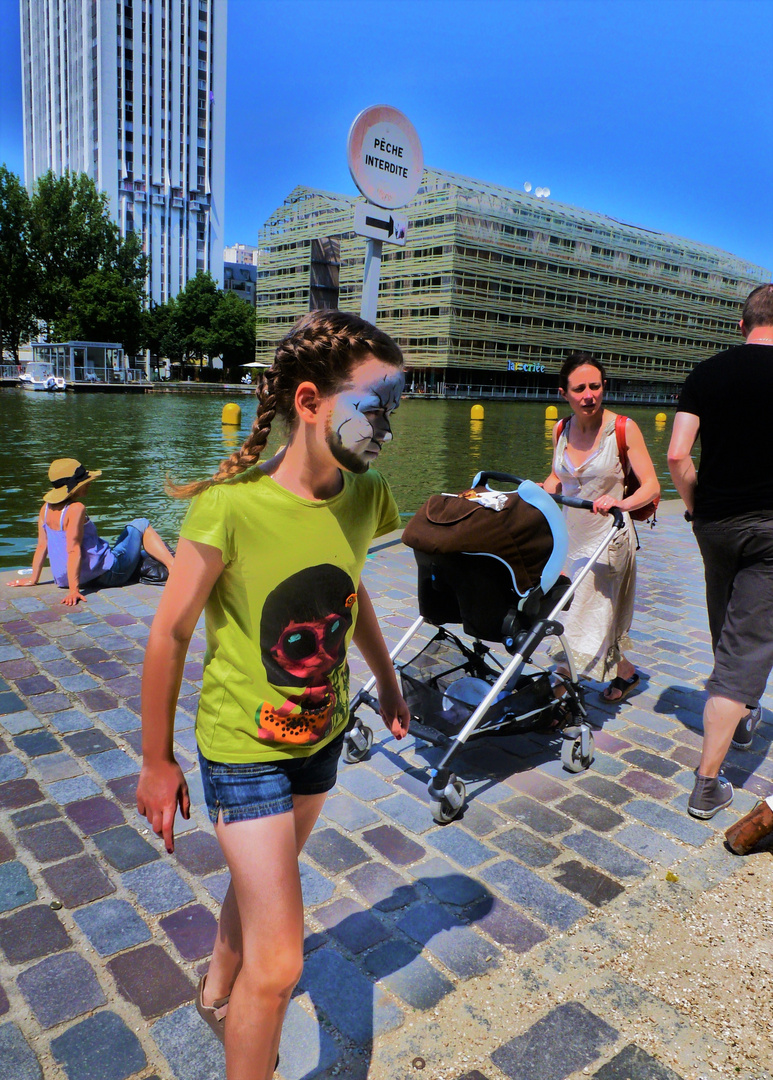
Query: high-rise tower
(132, 92)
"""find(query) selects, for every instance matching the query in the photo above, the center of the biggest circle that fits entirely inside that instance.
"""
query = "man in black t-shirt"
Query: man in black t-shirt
(730, 501)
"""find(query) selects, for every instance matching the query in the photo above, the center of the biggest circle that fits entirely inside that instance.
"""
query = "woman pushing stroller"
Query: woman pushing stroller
(587, 464)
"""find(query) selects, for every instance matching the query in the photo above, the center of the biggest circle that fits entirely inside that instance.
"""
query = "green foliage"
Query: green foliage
(233, 331)
(17, 276)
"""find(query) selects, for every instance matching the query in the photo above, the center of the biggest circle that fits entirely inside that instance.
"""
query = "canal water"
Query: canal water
(138, 439)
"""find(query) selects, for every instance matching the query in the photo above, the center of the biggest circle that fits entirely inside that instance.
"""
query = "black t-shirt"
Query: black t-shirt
(731, 394)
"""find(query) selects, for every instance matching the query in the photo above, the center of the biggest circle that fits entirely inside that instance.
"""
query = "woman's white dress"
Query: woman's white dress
(597, 624)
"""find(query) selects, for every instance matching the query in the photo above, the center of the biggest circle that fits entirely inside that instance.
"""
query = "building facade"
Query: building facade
(243, 254)
(494, 287)
(132, 92)
(240, 278)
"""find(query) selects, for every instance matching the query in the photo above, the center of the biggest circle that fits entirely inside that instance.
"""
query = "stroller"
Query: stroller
(512, 596)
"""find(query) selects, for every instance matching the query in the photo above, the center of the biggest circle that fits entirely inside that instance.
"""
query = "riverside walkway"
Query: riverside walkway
(568, 926)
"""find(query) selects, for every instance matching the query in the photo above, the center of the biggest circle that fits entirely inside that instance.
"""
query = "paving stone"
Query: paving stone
(44, 988)
(479, 819)
(94, 815)
(566, 1040)
(51, 841)
(10, 702)
(199, 852)
(460, 949)
(17, 793)
(606, 855)
(192, 1050)
(5, 1005)
(88, 742)
(31, 933)
(597, 888)
(110, 669)
(124, 848)
(349, 813)
(530, 849)
(408, 812)
(51, 703)
(35, 684)
(33, 815)
(540, 787)
(111, 926)
(650, 844)
(458, 845)
(306, 1050)
(19, 722)
(70, 720)
(150, 979)
(125, 790)
(67, 791)
(7, 850)
(157, 887)
(590, 813)
(90, 655)
(670, 822)
(102, 1047)
(316, 888)
(98, 701)
(505, 925)
(525, 888)
(74, 683)
(351, 924)
(393, 845)
(335, 852)
(217, 886)
(78, 881)
(633, 1063)
(16, 887)
(651, 740)
(113, 763)
(446, 883)
(192, 930)
(402, 969)
(57, 767)
(11, 768)
(120, 720)
(382, 887)
(686, 756)
(349, 1001)
(608, 790)
(18, 1057)
(646, 784)
(651, 763)
(17, 669)
(540, 818)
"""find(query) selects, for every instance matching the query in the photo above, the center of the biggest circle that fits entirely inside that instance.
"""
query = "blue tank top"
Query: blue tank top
(96, 556)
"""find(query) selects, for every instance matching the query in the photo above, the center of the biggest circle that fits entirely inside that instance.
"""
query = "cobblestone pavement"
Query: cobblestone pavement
(427, 947)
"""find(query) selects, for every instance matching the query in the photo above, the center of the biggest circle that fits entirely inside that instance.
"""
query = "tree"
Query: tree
(18, 283)
(196, 307)
(232, 333)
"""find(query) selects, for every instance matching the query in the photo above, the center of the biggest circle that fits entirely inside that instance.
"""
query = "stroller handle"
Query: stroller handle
(563, 500)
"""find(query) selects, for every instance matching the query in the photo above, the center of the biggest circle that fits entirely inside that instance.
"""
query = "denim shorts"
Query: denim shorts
(247, 790)
(127, 552)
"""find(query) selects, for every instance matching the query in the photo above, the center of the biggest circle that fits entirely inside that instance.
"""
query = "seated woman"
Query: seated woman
(78, 556)
(586, 464)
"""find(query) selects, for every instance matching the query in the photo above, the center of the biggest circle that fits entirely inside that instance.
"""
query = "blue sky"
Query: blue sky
(657, 112)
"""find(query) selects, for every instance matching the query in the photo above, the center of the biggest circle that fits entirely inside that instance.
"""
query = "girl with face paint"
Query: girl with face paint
(273, 553)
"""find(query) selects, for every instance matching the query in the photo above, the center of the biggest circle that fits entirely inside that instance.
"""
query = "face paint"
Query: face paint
(359, 421)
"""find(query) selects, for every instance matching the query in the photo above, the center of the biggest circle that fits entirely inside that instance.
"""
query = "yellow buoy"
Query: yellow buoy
(232, 414)
(476, 412)
(551, 413)
(660, 418)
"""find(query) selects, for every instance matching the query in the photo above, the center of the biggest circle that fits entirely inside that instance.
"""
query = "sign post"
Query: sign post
(386, 163)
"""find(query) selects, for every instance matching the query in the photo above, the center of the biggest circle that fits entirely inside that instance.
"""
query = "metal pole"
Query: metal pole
(370, 280)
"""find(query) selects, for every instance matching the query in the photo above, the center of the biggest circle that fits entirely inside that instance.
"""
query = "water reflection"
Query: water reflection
(138, 439)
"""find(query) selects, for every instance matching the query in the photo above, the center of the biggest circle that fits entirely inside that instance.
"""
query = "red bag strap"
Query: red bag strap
(561, 425)
(620, 422)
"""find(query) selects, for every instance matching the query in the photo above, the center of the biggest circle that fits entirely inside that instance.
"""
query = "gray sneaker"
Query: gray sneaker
(710, 795)
(744, 733)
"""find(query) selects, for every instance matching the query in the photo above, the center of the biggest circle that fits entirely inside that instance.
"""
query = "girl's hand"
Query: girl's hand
(160, 790)
(394, 711)
(20, 584)
(604, 504)
(72, 598)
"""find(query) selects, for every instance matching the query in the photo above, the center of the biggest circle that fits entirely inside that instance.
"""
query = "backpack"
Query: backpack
(630, 479)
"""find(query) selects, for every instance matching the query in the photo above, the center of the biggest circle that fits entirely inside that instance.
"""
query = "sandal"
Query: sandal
(213, 1014)
(625, 686)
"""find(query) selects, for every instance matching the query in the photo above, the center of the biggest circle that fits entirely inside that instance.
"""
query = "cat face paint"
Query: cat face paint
(358, 425)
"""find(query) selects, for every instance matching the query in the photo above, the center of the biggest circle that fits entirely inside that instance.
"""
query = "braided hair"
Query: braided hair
(321, 348)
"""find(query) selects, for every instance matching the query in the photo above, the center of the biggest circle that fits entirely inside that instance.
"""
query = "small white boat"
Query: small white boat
(40, 376)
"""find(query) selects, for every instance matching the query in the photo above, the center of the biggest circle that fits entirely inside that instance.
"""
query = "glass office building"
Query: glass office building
(494, 287)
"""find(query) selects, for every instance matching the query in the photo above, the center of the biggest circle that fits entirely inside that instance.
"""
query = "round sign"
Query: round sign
(385, 156)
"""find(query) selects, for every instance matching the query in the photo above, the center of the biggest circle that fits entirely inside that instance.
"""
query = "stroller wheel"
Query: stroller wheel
(357, 743)
(448, 806)
(577, 753)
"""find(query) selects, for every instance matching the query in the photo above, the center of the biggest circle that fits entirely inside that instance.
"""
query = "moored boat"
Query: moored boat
(41, 376)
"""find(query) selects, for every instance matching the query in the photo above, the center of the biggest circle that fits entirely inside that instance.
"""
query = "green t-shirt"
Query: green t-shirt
(281, 615)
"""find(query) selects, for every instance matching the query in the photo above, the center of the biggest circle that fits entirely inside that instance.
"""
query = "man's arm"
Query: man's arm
(680, 463)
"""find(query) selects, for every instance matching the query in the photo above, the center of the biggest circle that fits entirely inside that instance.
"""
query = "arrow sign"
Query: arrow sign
(369, 221)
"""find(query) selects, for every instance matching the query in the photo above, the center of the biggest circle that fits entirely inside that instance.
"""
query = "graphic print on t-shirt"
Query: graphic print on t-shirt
(303, 630)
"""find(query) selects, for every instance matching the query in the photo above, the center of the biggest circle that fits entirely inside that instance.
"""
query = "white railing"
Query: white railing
(460, 391)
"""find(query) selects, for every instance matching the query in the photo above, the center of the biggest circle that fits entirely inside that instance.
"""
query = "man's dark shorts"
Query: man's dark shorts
(738, 561)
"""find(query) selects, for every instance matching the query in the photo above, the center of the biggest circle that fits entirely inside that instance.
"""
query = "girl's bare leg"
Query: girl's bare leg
(156, 547)
(228, 951)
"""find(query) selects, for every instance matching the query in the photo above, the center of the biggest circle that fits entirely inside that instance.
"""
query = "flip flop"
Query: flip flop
(625, 686)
